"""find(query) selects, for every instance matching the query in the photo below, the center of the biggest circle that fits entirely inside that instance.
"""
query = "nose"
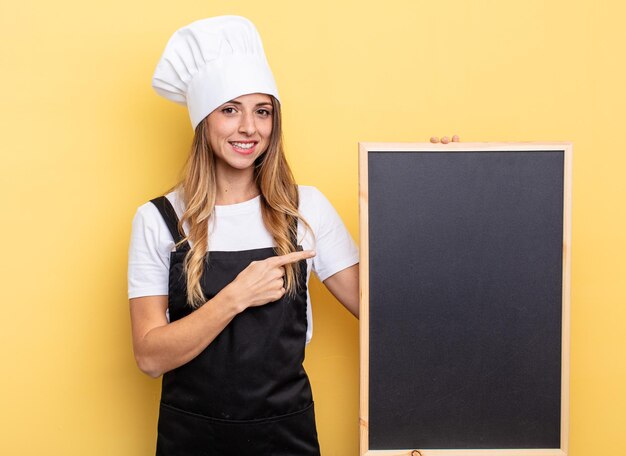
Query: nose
(247, 125)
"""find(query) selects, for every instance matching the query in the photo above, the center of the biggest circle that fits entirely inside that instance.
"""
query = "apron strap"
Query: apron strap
(171, 220)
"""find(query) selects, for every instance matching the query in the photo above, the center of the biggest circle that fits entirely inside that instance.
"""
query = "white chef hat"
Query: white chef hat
(212, 61)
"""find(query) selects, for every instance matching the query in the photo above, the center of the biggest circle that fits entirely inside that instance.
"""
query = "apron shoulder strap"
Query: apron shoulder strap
(171, 220)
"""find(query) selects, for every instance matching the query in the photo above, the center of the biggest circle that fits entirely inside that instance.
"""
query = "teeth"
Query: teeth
(243, 145)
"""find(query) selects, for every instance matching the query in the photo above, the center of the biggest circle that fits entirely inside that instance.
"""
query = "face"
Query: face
(239, 131)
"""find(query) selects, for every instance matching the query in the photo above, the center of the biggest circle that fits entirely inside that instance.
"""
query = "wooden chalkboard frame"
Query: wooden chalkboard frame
(364, 150)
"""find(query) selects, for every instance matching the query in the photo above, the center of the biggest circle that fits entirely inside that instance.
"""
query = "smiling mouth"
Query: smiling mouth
(244, 147)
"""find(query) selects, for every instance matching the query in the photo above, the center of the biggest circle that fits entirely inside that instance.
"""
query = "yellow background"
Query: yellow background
(84, 141)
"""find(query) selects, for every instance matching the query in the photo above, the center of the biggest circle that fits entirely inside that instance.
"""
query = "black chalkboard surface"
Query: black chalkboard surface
(465, 298)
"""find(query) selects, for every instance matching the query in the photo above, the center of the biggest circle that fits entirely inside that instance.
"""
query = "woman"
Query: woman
(218, 267)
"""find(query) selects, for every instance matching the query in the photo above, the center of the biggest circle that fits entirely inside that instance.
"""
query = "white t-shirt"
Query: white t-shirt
(238, 227)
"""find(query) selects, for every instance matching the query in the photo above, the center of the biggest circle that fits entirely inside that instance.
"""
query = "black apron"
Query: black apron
(247, 393)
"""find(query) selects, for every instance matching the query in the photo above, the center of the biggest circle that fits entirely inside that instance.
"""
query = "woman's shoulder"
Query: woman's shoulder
(148, 223)
(310, 200)
(310, 194)
(148, 210)
(314, 206)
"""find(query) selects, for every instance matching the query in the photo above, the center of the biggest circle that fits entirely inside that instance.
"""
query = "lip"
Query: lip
(243, 151)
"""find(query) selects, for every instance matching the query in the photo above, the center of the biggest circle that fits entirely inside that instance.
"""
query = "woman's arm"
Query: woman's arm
(160, 346)
(344, 285)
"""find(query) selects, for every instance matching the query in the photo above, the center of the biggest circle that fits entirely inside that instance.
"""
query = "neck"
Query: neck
(235, 187)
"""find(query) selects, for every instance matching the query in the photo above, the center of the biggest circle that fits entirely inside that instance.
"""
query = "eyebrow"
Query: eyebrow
(264, 103)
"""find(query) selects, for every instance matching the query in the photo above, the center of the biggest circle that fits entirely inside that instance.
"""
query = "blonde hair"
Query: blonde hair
(279, 204)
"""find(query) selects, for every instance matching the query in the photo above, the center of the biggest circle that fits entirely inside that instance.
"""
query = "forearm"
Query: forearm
(160, 347)
(169, 346)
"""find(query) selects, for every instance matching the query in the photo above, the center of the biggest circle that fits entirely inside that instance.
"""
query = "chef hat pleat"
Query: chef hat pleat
(212, 61)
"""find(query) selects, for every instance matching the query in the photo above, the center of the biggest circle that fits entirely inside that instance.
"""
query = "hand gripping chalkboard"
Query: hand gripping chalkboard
(465, 257)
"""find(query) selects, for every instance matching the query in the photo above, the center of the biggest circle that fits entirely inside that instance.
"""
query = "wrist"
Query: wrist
(231, 300)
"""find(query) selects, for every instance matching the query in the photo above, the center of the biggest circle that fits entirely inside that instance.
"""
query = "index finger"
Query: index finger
(292, 257)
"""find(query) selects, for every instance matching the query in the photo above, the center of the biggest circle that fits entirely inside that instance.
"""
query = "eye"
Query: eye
(264, 112)
(229, 110)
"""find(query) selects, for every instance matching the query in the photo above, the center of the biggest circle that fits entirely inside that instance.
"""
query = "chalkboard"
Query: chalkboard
(465, 298)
